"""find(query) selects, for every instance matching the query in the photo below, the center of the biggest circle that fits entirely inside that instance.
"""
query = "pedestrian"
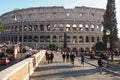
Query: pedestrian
(72, 58)
(48, 57)
(67, 56)
(82, 59)
(100, 64)
(51, 57)
(64, 55)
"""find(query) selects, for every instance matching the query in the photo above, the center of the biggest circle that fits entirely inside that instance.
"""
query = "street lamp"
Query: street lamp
(73, 44)
(65, 38)
(22, 33)
(108, 46)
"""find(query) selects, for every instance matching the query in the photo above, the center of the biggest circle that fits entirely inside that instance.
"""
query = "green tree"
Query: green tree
(65, 40)
(1, 27)
(99, 46)
(53, 46)
(110, 23)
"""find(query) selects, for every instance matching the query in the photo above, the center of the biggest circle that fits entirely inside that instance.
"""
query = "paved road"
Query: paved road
(59, 70)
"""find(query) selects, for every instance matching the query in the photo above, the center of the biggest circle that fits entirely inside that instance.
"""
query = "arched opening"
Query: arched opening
(87, 39)
(42, 38)
(92, 40)
(54, 39)
(80, 39)
(25, 39)
(48, 39)
(36, 39)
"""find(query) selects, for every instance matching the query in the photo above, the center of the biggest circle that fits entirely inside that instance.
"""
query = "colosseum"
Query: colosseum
(42, 26)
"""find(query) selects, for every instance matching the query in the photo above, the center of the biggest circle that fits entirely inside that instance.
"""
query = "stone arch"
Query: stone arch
(74, 39)
(25, 39)
(54, 39)
(30, 27)
(81, 39)
(25, 27)
(36, 38)
(41, 27)
(98, 39)
(61, 38)
(20, 38)
(47, 38)
(68, 38)
(42, 38)
(30, 38)
(35, 27)
(87, 39)
(92, 27)
(61, 28)
(48, 27)
(86, 27)
(74, 27)
(67, 27)
(92, 39)
(15, 38)
(80, 27)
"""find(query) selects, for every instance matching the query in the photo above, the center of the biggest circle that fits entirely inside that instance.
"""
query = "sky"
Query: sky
(9, 5)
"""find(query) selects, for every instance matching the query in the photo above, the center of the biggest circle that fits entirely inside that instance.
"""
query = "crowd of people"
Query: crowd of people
(69, 56)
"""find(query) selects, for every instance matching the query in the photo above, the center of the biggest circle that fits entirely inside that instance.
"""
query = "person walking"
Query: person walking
(51, 57)
(67, 56)
(72, 58)
(82, 59)
(100, 64)
(48, 56)
(64, 55)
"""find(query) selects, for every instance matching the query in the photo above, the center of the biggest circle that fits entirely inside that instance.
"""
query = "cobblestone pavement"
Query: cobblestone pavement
(59, 70)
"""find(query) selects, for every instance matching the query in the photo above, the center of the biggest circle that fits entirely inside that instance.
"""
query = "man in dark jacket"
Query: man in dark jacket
(51, 57)
(100, 64)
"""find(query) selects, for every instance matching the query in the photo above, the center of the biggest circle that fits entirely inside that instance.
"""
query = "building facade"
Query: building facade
(42, 26)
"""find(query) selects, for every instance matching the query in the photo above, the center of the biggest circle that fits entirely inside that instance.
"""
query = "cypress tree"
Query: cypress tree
(110, 23)
(65, 40)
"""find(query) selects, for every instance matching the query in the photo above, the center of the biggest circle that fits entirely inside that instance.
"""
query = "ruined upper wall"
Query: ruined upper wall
(54, 14)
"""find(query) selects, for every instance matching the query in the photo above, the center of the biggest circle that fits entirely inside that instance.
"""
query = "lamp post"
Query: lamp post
(22, 33)
(65, 39)
(73, 44)
(108, 46)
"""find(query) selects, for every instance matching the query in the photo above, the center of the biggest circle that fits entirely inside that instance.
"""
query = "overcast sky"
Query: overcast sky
(9, 5)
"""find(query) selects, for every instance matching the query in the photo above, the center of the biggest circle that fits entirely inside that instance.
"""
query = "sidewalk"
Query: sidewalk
(113, 68)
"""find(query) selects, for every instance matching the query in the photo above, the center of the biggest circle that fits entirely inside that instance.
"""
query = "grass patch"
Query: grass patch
(114, 61)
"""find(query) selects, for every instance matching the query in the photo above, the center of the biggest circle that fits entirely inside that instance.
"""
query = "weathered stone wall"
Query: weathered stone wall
(45, 25)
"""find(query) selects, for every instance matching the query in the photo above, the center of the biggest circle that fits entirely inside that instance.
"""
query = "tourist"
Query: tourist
(100, 64)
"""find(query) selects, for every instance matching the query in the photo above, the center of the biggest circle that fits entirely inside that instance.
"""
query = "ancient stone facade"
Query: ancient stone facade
(42, 26)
